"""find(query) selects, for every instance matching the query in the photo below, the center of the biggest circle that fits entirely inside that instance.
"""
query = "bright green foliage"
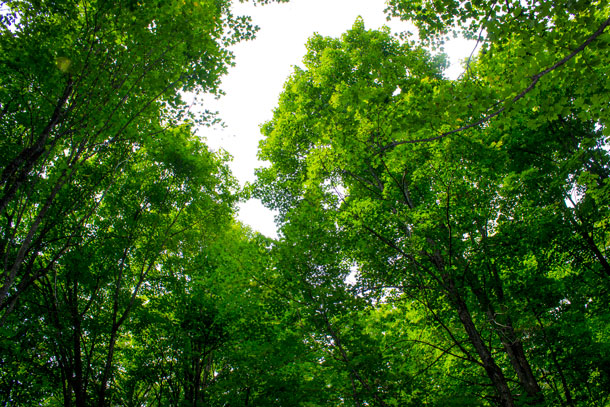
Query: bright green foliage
(155, 202)
(483, 231)
(84, 85)
(214, 340)
(497, 21)
(105, 193)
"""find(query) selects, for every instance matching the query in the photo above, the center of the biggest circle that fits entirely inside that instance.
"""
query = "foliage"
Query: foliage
(483, 230)
(442, 242)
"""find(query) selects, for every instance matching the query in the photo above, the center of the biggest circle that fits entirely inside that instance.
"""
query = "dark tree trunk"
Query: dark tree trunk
(495, 374)
(502, 325)
(493, 371)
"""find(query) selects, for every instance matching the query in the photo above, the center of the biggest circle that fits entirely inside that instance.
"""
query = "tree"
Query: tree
(171, 192)
(83, 85)
(441, 221)
(102, 182)
(443, 242)
(539, 40)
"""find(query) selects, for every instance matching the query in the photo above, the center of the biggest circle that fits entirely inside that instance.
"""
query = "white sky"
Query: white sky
(253, 86)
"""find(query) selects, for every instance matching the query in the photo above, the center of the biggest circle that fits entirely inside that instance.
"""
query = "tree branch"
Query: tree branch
(524, 92)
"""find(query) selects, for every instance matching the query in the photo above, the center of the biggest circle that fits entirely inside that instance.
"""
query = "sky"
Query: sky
(262, 66)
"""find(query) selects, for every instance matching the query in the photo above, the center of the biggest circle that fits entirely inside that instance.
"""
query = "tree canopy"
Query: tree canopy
(443, 242)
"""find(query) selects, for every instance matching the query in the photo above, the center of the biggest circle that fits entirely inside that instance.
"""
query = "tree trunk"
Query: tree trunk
(16, 172)
(506, 333)
(493, 371)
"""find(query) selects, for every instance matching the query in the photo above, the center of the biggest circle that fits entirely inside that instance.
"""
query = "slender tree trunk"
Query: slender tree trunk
(514, 347)
(564, 382)
(78, 383)
(10, 274)
(518, 359)
(101, 399)
(495, 374)
(198, 368)
(16, 172)
(493, 371)
(65, 389)
(247, 401)
(502, 325)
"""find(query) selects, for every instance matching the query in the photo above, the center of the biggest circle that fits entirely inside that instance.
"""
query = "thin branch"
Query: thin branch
(479, 38)
(524, 92)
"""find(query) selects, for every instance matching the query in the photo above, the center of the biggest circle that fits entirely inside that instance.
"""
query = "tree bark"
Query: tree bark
(493, 371)
(495, 374)
(510, 341)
